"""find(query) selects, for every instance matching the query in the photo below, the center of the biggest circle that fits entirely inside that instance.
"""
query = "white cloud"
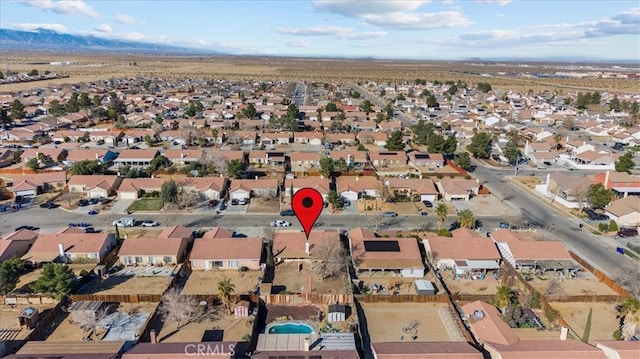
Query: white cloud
(335, 31)
(499, 2)
(106, 28)
(400, 15)
(296, 43)
(66, 7)
(624, 23)
(132, 36)
(35, 26)
(125, 19)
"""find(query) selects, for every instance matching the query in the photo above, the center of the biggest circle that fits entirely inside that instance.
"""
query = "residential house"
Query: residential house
(34, 184)
(70, 135)
(208, 187)
(100, 155)
(567, 190)
(51, 154)
(226, 253)
(322, 185)
(94, 186)
(353, 188)
(535, 255)
(141, 158)
(246, 188)
(98, 349)
(625, 211)
(424, 350)
(619, 349)
(427, 160)
(311, 346)
(594, 160)
(341, 138)
(70, 245)
(374, 254)
(134, 188)
(501, 341)
(309, 138)
(414, 188)
(293, 246)
(464, 255)
(187, 350)
(16, 244)
(305, 160)
(453, 189)
(354, 159)
(383, 159)
(6, 157)
(168, 248)
(376, 138)
(110, 138)
(184, 157)
(621, 183)
(276, 158)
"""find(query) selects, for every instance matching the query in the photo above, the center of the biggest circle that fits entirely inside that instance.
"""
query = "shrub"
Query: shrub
(467, 177)
(439, 175)
(443, 232)
(603, 227)
(613, 226)
(84, 273)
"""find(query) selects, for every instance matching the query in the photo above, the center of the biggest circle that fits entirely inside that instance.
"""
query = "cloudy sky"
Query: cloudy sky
(407, 29)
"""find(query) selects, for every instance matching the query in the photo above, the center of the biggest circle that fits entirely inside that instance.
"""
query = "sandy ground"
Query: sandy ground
(603, 319)
(288, 278)
(467, 286)
(130, 285)
(9, 320)
(400, 285)
(385, 322)
(264, 205)
(203, 282)
(32, 276)
(226, 327)
(575, 286)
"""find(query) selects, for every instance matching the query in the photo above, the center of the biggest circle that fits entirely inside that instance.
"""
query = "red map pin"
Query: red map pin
(307, 205)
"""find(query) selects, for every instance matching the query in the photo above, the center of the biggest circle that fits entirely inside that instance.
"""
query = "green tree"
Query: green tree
(85, 100)
(235, 168)
(9, 274)
(333, 198)
(366, 106)
(331, 107)
(464, 161)
(421, 132)
(33, 163)
(150, 141)
(598, 196)
(73, 104)
(33, 72)
(442, 211)
(583, 100)
(615, 104)
(5, 119)
(1, 76)
(432, 101)
(395, 141)
(453, 89)
(97, 101)
(512, 152)
(627, 313)
(466, 219)
(480, 145)
(16, 111)
(169, 191)
(484, 87)
(625, 163)
(613, 226)
(55, 279)
(596, 98)
(88, 167)
(158, 162)
(505, 296)
(380, 117)
(225, 290)
(55, 108)
(326, 166)
(249, 111)
(340, 165)
(194, 108)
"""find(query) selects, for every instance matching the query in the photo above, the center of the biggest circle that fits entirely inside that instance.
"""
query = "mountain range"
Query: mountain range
(49, 40)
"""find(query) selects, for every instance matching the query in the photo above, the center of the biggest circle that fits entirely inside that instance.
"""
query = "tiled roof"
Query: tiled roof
(226, 248)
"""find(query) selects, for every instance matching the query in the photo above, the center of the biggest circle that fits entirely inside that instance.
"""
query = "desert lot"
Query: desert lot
(603, 318)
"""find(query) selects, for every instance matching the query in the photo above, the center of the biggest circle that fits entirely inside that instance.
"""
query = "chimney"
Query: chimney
(306, 344)
(321, 176)
(256, 177)
(564, 331)
(181, 155)
(307, 248)
(61, 249)
(152, 336)
(357, 178)
(606, 180)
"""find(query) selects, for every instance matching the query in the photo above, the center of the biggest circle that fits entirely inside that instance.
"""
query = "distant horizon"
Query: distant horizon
(452, 30)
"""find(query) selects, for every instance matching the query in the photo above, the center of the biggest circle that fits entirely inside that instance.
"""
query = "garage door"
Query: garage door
(239, 195)
(351, 196)
(28, 193)
(128, 195)
(428, 197)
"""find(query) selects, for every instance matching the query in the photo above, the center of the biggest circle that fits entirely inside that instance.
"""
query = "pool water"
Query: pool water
(290, 328)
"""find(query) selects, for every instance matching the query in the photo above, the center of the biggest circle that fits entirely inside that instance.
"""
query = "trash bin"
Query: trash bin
(580, 225)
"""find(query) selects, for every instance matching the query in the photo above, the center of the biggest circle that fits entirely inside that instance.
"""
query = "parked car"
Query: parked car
(504, 225)
(125, 222)
(595, 216)
(149, 223)
(627, 232)
(48, 205)
(389, 214)
(345, 202)
(223, 206)
(83, 203)
(280, 223)
(94, 201)
(427, 204)
(31, 228)
(89, 230)
(234, 202)
(454, 226)
(212, 203)
(287, 212)
(245, 201)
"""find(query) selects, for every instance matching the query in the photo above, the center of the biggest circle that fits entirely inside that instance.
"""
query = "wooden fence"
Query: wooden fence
(26, 299)
(45, 321)
(307, 298)
(120, 298)
(601, 276)
(402, 298)
(456, 167)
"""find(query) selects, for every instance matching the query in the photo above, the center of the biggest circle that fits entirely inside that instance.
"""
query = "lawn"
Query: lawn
(147, 204)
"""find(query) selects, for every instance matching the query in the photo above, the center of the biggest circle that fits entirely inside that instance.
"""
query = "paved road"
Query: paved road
(598, 250)
(379, 101)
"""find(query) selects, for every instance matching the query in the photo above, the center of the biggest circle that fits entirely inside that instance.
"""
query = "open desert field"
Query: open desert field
(92, 67)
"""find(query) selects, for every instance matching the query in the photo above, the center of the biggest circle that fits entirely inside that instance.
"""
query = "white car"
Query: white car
(125, 222)
(149, 223)
(280, 223)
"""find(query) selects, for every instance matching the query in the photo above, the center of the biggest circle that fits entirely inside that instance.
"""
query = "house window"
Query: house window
(216, 264)
(168, 259)
(138, 259)
(234, 264)
(152, 259)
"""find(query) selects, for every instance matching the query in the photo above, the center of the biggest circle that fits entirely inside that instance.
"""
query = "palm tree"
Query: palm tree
(504, 297)
(557, 138)
(466, 218)
(441, 213)
(628, 310)
(225, 289)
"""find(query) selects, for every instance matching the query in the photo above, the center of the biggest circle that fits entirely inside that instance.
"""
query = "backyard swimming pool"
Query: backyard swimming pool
(290, 328)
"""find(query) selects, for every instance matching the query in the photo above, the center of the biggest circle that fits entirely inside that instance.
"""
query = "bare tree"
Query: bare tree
(187, 199)
(333, 260)
(182, 309)
(268, 233)
(88, 320)
(169, 214)
(157, 129)
(555, 287)
(189, 133)
(212, 160)
(629, 278)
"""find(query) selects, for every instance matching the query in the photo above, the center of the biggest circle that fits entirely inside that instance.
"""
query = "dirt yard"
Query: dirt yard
(203, 282)
(264, 205)
(603, 318)
(530, 182)
(486, 286)
(221, 327)
(289, 279)
(574, 286)
(395, 284)
(9, 326)
(120, 284)
(33, 275)
(385, 322)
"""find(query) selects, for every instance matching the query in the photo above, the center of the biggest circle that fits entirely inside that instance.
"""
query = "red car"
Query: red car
(627, 232)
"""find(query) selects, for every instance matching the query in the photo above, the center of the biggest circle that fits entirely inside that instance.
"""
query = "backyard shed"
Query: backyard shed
(337, 313)
(84, 308)
(28, 317)
(241, 309)
(425, 287)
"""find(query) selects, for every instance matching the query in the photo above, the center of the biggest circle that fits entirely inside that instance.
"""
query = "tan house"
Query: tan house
(136, 157)
(133, 188)
(246, 188)
(226, 253)
(34, 184)
(427, 160)
(320, 184)
(353, 188)
(169, 248)
(208, 187)
(183, 157)
(354, 159)
(453, 189)
(388, 158)
(293, 246)
(94, 186)
(463, 254)
(425, 350)
(625, 211)
(52, 154)
(70, 245)
(414, 188)
(16, 244)
(305, 160)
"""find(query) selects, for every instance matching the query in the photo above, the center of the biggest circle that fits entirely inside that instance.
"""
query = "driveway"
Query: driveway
(120, 206)
(236, 209)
